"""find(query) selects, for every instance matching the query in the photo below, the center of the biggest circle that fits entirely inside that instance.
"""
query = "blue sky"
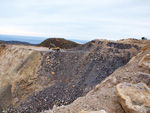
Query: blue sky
(76, 19)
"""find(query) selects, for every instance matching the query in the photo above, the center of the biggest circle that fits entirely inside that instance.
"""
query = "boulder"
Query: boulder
(134, 98)
(145, 61)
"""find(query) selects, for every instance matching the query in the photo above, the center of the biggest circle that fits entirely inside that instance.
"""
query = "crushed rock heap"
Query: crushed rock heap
(129, 83)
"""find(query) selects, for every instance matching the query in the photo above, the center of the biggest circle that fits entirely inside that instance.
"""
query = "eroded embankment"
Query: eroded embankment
(17, 64)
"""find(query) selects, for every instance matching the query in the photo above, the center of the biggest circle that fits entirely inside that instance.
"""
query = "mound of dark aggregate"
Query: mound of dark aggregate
(73, 74)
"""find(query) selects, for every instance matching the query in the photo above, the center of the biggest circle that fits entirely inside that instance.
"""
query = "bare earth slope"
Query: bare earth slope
(38, 78)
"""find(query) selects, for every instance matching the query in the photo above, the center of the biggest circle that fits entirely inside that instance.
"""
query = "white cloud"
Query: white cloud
(82, 19)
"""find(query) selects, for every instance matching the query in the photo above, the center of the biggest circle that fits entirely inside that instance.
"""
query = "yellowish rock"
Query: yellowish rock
(145, 61)
(53, 73)
(134, 98)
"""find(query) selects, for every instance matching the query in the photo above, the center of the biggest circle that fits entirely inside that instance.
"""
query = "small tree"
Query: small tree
(143, 38)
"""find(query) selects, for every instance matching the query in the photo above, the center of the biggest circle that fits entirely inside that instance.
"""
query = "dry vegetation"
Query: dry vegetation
(59, 42)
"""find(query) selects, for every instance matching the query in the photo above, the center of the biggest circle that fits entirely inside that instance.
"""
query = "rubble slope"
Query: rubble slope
(104, 95)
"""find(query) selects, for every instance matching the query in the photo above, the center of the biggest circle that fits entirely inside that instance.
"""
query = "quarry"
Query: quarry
(100, 76)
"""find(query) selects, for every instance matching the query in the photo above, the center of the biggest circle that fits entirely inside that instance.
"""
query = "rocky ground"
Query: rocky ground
(39, 79)
(104, 95)
(134, 98)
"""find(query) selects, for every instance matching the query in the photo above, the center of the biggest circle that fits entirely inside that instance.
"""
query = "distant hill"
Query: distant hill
(33, 39)
(1, 42)
(59, 42)
(17, 43)
(29, 39)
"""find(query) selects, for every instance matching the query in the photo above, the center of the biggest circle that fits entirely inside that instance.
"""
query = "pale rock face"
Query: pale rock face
(145, 61)
(134, 98)
(101, 111)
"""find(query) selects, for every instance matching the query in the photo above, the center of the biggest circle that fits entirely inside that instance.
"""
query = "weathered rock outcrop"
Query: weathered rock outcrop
(134, 98)
(145, 61)
(5, 97)
(10, 58)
